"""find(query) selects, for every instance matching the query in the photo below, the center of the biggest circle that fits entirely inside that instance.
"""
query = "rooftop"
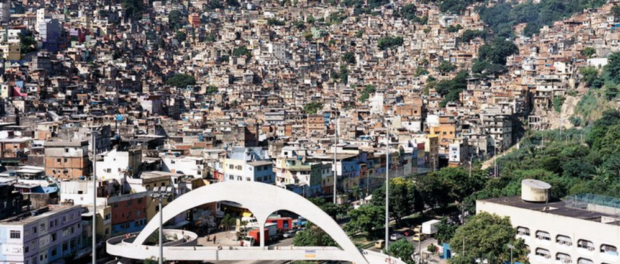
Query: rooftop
(557, 207)
(35, 215)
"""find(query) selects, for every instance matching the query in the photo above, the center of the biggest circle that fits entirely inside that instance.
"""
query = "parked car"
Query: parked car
(396, 236)
(407, 232)
(288, 234)
(417, 229)
(379, 243)
(418, 237)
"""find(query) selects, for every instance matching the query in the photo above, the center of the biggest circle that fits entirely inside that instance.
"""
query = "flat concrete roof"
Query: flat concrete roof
(557, 207)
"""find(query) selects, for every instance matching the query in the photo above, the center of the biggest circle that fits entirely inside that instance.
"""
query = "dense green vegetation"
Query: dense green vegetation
(349, 57)
(404, 198)
(181, 80)
(369, 89)
(313, 107)
(452, 28)
(557, 103)
(389, 42)
(367, 218)
(313, 236)
(577, 162)
(492, 58)
(211, 89)
(487, 236)
(469, 35)
(342, 75)
(450, 89)
(275, 22)
(133, 8)
(502, 17)
(27, 43)
(241, 51)
(446, 67)
(452, 6)
(175, 19)
(588, 52)
(401, 249)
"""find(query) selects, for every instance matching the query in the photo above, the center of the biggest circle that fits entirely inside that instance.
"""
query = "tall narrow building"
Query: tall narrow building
(5, 11)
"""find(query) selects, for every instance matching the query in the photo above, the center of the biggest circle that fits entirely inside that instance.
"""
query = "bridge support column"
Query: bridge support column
(262, 234)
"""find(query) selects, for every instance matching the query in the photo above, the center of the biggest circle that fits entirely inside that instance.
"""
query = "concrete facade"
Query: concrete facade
(558, 234)
(41, 237)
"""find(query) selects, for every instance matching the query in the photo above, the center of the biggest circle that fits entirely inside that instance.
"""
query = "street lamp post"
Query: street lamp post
(94, 162)
(511, 247)
(387, 186)
(160, 193)
(335, 160)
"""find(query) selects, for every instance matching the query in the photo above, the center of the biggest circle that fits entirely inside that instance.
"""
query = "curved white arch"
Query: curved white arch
(262, 199)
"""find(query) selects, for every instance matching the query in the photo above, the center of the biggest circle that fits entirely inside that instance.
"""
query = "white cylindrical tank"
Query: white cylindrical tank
(535, 191)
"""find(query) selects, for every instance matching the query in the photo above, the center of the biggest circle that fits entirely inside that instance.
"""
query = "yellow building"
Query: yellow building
(11, 51)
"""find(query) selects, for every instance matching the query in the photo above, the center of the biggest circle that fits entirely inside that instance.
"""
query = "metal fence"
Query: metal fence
(594, 202)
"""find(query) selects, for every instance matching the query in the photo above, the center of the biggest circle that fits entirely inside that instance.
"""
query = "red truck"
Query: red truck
(283, 223)
(253, 237)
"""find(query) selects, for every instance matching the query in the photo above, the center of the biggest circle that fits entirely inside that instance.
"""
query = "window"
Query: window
(231, 166)
(26, 249)
(34, 230)
(65, 246)
(231, 177)
(53, 237)
(239, 178)
(53, 252)
(58, 160)
(16, 234)
(248, 179)
(173, 162)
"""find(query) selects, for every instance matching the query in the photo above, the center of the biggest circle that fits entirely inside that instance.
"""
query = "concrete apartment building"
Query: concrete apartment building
(41, 236)
(67, 159)
(582, 230)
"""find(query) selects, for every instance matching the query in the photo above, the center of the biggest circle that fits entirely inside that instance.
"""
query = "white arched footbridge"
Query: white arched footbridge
(262, 200)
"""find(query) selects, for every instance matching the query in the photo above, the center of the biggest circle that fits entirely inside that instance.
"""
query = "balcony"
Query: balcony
(564, 241)
(609, 252)
(543, 255)
(585, 261)
(585, 247)
(562, 258)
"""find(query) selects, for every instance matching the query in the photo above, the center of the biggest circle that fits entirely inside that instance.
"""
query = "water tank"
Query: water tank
(535, 191)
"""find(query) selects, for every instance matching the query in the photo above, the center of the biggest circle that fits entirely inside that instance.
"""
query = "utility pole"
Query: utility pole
(335, 160)
(470, 161)
(94, 147)
(387, 185)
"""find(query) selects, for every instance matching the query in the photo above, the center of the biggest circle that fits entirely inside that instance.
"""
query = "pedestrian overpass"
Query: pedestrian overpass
(262, 200)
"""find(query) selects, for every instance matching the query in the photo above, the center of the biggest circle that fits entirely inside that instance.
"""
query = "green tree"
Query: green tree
(611, 71)
(313, 107)
(175, 19)
(275, 22)
(181, 36)
(212, 89)
(403, 198)
(310, 19)
(445, 230)
(241, 51)
(367, 218)
(401, 249)
(313, 236)
(330, 209)
(557, 103)
(469, 35)
(409, 12)
(616, 12)
(27, 43)
(181, 80)
(233, 3)
(445, 67)
(486, 235)
(389, 42)
(420, 71)
(349, 57)
(132, 8)
(359, 33)
(369, 89)
(589, 74)
(588, 52)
